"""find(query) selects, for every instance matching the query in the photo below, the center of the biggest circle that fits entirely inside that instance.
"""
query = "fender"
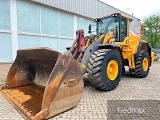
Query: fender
(112, 46)
(143, 45)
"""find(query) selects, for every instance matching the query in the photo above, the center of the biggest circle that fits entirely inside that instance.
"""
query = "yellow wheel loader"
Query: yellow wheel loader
(113, 48)
(42, 82)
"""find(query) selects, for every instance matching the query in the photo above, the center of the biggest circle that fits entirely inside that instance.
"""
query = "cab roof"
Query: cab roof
(114, 14)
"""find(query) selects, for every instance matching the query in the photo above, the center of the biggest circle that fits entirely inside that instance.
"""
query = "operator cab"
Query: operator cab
(115, 23)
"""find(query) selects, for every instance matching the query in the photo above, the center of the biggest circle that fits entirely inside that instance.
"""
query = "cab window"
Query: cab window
(123, 31)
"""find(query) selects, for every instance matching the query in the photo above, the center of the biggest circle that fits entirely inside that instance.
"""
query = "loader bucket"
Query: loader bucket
(42, 83)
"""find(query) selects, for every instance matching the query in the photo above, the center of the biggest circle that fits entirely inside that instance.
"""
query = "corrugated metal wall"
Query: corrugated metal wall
(88, 8)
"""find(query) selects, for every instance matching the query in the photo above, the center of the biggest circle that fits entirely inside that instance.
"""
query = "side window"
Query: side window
(123, 29)
(124, 26)
(101, 27)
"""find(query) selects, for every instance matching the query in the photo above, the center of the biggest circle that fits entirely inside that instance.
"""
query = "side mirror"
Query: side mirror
(89, 28)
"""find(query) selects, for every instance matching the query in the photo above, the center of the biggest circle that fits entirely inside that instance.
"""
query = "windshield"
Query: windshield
(105, 25)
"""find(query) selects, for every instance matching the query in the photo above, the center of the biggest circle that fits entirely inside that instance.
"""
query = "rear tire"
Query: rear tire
(142, 64)
(105, 69)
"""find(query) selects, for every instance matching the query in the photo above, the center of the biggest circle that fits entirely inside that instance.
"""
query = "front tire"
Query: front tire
(105, 69)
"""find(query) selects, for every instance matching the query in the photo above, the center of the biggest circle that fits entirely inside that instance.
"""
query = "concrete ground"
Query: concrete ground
(93, 105)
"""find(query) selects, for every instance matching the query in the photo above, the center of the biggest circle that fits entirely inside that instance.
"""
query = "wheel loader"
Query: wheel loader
(42, 82)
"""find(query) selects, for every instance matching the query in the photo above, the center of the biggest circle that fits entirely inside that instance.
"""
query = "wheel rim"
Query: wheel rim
(145, 64)
(112, 70)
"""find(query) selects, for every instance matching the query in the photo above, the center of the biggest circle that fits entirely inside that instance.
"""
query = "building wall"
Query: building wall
(5, 31)
(25, 24)
(47, 23)
(89, 8)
